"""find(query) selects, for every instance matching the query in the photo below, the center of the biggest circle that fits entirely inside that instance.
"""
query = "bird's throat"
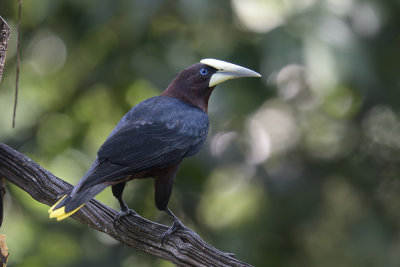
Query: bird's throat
(197, 98)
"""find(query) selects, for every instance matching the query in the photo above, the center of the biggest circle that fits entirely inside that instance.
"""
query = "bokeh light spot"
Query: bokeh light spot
(48, 53)
(230, 198)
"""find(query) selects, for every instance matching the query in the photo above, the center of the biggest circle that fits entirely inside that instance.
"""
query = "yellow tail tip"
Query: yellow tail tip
(52, 207)
(60, 213)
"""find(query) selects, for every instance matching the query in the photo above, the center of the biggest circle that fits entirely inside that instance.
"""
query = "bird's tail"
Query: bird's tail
(60, 212)
(68, 205)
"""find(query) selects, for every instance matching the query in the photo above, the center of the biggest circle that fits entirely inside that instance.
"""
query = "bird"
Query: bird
(152, 139)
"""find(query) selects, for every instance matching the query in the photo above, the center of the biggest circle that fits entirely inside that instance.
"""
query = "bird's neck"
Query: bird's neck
(191, 96)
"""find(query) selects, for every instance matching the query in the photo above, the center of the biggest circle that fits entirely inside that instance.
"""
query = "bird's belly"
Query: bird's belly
(153, 173)
(140, 175)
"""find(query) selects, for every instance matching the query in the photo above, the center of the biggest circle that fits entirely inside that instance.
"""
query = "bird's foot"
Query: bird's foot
(175, 226)
(122, 214)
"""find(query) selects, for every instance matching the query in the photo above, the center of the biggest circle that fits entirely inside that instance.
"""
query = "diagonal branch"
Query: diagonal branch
(184, 248)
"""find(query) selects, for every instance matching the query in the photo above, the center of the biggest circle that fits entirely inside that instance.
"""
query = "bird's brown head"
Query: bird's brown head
(196, 83)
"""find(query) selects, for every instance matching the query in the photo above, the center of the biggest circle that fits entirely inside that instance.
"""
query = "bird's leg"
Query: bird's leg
(177, 224)
(117, 191)
(162, 190)
(125, 210)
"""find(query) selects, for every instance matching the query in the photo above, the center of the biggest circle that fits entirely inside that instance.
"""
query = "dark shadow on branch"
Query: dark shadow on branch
(184, 248)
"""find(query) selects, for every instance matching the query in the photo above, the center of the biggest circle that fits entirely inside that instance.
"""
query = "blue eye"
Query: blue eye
(203, 72)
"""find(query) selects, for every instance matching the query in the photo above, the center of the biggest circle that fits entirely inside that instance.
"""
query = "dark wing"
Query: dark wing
(154, 134)
(150, 143)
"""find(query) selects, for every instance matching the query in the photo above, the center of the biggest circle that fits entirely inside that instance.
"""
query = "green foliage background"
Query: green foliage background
(301, 167)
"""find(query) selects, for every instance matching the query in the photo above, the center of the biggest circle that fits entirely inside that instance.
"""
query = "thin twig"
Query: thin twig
(18, 61)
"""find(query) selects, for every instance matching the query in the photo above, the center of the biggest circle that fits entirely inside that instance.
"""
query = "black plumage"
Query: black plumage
(157, 133)
(152, 139)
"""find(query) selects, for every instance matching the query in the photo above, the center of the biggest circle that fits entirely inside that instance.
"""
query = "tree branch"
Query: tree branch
(4, 37)
(184, 248)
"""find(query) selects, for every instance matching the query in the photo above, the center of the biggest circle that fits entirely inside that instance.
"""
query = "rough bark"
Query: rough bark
(4, 37)
(184, 248)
